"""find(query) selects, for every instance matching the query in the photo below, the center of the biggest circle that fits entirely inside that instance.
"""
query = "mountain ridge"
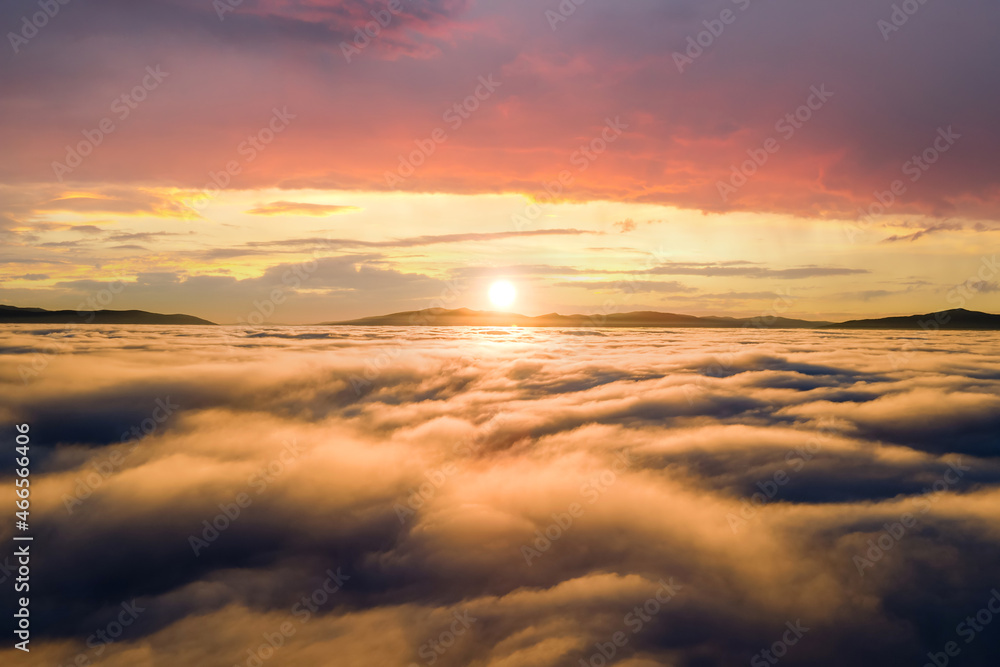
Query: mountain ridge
(956, 319)
(468, 317)
(16, 315)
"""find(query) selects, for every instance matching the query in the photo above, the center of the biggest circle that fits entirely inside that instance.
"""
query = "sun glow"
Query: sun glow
(502, 294)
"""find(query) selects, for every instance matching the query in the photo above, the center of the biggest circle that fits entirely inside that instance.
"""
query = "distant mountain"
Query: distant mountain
(957, 319)
(464, 317)
(14, 315)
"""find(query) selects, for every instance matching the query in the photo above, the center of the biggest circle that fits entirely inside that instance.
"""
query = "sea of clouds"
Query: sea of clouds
(503, 497)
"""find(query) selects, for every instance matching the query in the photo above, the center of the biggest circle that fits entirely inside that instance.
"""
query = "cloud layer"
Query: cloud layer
(505, 497)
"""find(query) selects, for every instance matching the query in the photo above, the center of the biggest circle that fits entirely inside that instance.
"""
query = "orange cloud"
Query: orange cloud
(619, 464)
(298, 208)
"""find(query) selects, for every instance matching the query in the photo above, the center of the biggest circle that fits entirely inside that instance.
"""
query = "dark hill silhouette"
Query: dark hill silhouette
(477, 318)
(956, 319)
(15, 315)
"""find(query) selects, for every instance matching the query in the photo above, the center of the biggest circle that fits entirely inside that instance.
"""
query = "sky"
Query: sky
(269, 161)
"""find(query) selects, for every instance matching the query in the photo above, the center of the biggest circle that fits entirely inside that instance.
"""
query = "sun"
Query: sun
(502, 294)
